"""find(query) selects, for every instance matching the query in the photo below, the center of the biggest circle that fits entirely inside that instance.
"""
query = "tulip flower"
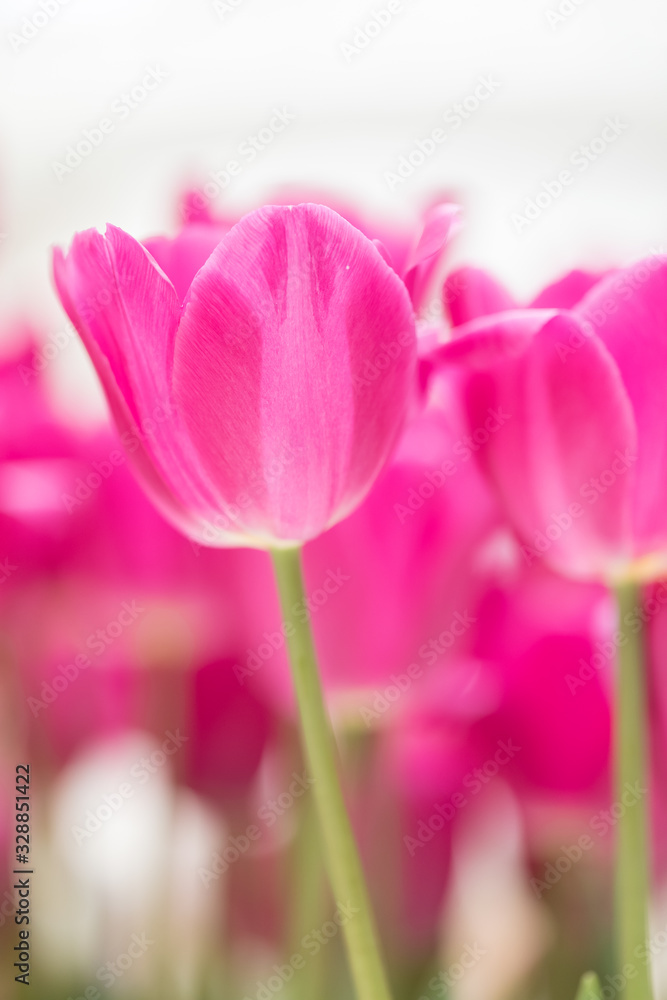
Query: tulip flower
(470, 292)
(262, 405)
(579, 466)
(537, 634)
(293, 316)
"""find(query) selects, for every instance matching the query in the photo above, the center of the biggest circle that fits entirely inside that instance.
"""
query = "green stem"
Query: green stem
(310, 901)
(632, 878)
(341, 855)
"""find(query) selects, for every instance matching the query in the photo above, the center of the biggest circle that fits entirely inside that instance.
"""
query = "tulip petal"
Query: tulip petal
(568, 421)
(628, 311)
(470, 293)
(485, 341)
(126, 312)
(293, 364)
(181, 257)
(567, 291)
(384, 253)
(568, 424)
(440, 224)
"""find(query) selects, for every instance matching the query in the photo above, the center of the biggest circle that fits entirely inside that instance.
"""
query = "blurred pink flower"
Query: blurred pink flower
(415, 252)
(470, 292)
(79, 542)
(579, 465)
(228, 728)
(503, 711)
(537, 635)
(293, 315)
(38, 459)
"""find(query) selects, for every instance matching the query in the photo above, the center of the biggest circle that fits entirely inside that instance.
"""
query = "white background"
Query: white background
(354, 117)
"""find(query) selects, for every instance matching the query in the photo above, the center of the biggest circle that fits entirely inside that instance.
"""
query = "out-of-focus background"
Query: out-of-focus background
(359, 99)
(545, 120)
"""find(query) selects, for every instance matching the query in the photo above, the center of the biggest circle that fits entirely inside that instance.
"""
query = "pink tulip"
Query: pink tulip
(568, 291)
(269, 400)
(539, 639)
(470, 292)
(533, 673)
(579, 464)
